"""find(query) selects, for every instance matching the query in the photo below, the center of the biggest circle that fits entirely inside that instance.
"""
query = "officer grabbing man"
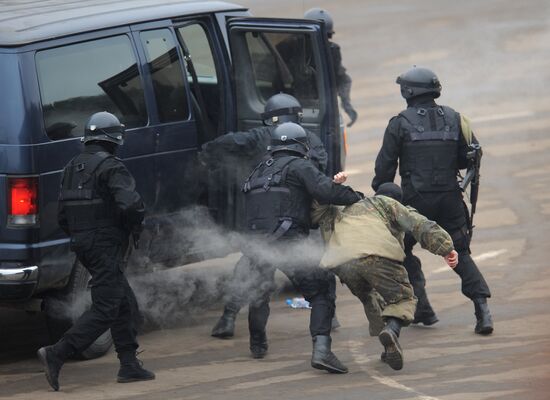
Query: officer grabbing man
(343, 80)
(243, 151)
(431, 144)
(365, 249)
(278, 197)
(99, 209)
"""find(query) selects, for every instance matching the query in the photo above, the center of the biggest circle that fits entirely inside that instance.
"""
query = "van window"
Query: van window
(81, 79)
(199, 48)
(206, 91)
(267, 63)
(284, 62)
(12, 103)
(167, 74)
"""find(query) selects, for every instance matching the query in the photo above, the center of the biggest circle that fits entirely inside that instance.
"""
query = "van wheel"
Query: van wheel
(63, 309)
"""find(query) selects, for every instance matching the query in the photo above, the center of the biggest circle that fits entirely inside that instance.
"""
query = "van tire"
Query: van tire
(59, 321)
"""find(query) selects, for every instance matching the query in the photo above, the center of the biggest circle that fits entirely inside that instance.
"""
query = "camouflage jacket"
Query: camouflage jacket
(375, 226)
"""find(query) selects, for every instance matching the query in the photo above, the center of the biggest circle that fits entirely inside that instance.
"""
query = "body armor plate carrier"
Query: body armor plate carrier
(85, 208)
(429, 157)
(272, 207)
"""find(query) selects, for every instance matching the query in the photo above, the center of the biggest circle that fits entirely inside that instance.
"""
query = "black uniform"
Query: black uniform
(279, 194)
(427, 140)
(243, 151)
(98, 208)
(297, 54)
(343, 82)
(248, 148)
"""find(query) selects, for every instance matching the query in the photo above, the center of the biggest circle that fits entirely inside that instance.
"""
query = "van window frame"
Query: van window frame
(147, 73)
(221, 62)
(83, 38)
(136, 29)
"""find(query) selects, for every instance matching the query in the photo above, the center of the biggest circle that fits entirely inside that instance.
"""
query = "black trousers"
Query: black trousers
(253, 282)
(447, 209)
(114, 304)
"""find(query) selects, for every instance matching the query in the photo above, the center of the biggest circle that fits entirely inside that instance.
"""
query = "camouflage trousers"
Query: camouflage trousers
(383, 287)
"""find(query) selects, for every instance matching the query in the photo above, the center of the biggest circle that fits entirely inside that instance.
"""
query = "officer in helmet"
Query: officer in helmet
(99, 208)
(430, 143)
(278, 196)
(343, 80)
(247, 148)
(243, 151)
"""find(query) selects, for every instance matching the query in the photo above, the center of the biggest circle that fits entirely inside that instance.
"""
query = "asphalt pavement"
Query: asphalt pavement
(493, 59)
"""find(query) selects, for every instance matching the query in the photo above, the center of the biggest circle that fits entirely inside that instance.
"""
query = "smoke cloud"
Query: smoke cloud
(170, 297)
(173, 296)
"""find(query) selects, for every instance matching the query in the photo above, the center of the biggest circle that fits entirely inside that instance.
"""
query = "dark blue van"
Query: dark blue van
(176, 73)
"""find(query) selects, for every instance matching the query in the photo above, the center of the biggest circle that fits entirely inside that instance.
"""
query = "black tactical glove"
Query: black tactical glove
(136, 233)
(352, 114)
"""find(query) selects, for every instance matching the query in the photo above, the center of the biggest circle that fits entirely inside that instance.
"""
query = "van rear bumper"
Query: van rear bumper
(18, 283)
(27, 269)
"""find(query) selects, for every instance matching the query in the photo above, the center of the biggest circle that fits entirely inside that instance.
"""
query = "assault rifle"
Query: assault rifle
(472, 178)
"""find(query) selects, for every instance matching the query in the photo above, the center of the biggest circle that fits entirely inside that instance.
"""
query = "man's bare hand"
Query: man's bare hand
(340, 177)
(452, 259)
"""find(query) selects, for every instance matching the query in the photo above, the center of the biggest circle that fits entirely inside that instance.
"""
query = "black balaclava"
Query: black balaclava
(426, 99)
(390, 189)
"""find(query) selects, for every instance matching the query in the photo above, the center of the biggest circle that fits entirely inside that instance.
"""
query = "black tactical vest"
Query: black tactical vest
(273, 207)
(84, 206)
(429, 156)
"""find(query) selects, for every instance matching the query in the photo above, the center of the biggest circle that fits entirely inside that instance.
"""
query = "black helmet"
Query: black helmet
(289, 136)
(417, 81)
(390, 189)
(104, 126)
(281, 108)
(321, 15)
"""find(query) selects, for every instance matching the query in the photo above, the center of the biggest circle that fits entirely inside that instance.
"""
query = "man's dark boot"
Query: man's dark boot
(484, 325)
(131, 369)
(393, 355)
(52, 358)
(225, 327)
(323, 358)
(258, 344)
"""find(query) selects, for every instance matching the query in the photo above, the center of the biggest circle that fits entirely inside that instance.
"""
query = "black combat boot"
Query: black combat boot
(131, 369)
(393, 355)
(225, 327)
(52, 358)
(484, 325)
(324, 358)
(258, 344)
(424, 313)
(426, 319)
(335, 324)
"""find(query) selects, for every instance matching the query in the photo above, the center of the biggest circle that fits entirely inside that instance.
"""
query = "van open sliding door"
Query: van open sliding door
(271, 56)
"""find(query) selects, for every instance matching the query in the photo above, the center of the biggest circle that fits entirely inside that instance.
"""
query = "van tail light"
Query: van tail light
(22, 201)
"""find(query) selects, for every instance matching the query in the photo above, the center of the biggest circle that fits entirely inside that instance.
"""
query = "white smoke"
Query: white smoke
(170, 297)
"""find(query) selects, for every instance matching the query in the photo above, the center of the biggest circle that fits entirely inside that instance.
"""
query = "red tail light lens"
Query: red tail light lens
(23, 201)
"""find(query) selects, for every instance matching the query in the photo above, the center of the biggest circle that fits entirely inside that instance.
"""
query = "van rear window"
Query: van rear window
(13, 119)
(81, 79)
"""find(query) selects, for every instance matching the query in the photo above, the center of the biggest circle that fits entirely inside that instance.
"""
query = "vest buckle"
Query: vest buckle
(421, 111)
